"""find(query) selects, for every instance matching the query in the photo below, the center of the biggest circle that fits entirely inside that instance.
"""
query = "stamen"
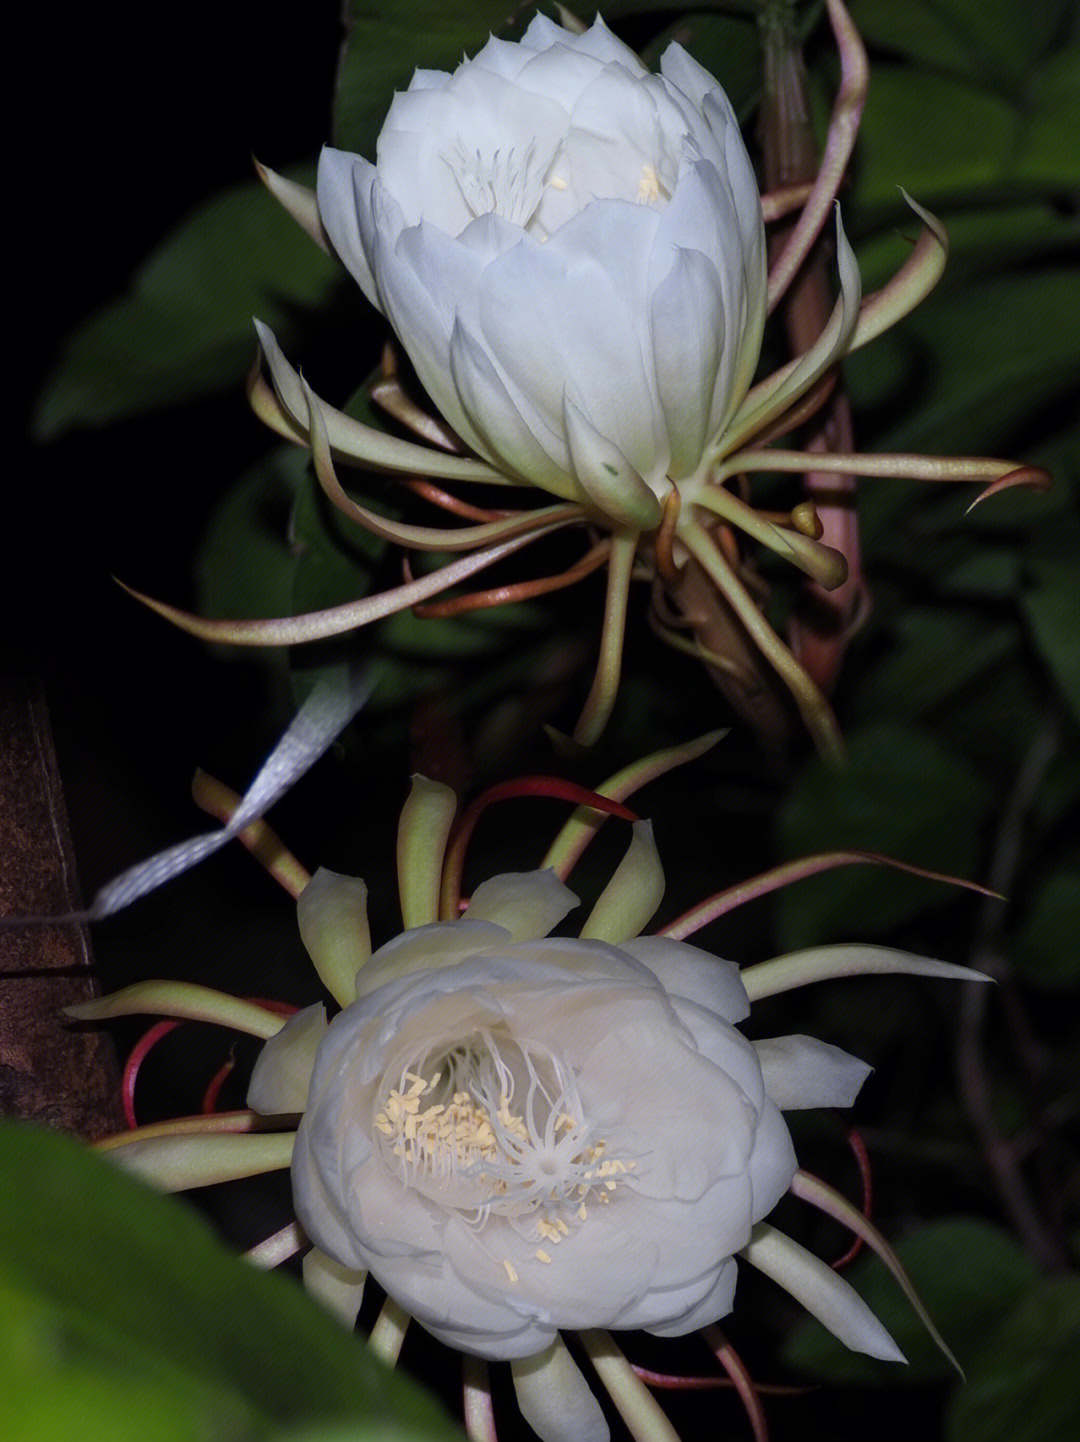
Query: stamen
(495, 1126)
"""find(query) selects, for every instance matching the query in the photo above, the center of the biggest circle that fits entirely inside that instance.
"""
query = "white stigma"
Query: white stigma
(509, 183)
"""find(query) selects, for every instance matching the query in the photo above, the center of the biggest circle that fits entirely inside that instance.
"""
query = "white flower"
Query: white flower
(571, 251)
(517, 1134)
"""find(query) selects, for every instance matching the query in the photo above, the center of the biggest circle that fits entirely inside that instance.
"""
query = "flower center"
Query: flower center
(496, 1126)
(509, 182)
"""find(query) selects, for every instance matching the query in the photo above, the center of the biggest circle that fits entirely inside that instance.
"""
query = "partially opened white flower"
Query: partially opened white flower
(572, 253)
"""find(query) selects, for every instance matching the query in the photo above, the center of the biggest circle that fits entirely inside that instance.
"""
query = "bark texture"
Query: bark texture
(51, 1070)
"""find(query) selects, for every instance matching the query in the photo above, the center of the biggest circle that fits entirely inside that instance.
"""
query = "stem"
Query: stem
(1001, 1154)
(813, 707)
(601, 698)
(819, 634)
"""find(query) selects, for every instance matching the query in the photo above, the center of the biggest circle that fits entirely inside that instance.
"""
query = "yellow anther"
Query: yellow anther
(542, 1256)
(510, 1272)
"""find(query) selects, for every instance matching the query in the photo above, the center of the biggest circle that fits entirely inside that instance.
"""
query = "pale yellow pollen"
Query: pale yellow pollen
(649, 187)
(558, 183)
(434, 1139)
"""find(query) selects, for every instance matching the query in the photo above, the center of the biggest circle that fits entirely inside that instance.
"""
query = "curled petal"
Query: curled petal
(217, 799)
(819, 1194)
(601, 697)
(823, 963)
(175, 1164)
(421, 538)
(576, 834)
(897, 466)
(780, 876)
(299, 201)
(338, 620)
(363, 443)
(778, 391)
(423, 832)
(911, 284)
(813, 707)
(627, 903)
(825, 565)
(181, 999)
(639, 1409)
(277, 1248)
(332, 913)
(1034, 478)
(823, 1292)
(554, 1398)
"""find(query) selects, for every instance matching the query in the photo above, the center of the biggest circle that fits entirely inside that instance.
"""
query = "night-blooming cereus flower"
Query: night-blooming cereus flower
(518, 1134)
(521, 1136)
(571, 251)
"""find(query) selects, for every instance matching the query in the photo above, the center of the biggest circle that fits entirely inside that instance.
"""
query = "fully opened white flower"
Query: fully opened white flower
(518, 1134)
(572, 253)
(525, 1136)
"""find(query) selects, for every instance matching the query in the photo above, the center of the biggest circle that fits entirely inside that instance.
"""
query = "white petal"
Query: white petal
(421, 278)
(678, 1322)
(501, 57)
(688, 342)
(341, 178)
(669, 1098)
(332, 913)
(555, 1399)
(685, 970)
(600, 42)
(441, 944)
(528, 904)
(282, 1072)
(339, 1289)
(801, 1072)
(773, 1163)
(684, 72)
(554, 321)
(493, 415)
(821, 1291)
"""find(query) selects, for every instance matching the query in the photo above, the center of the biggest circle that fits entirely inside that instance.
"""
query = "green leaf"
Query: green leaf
(120, 1302)
(968, 1275)
(1052, 605)
(1025, 1385)
(246, 560)
(385, 44)
(902, 793)
(1044, 949)
(727, 46)
(965, 370)
(935, 653)
(184, 329)
(981, 38)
